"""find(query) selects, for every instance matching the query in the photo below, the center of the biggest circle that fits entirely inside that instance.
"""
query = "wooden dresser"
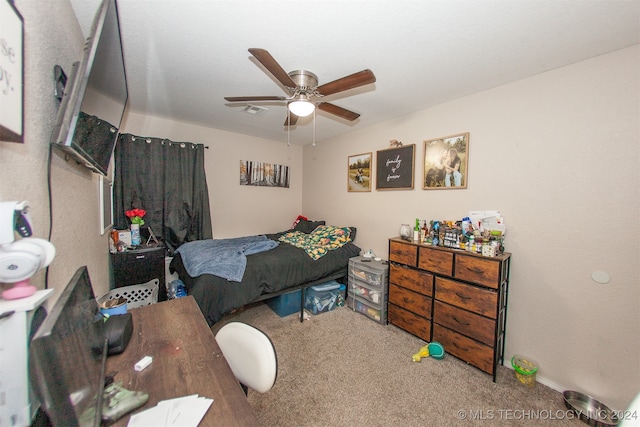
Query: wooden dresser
(451, 296)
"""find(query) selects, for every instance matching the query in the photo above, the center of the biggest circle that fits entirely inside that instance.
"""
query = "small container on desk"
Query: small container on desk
(368, 287)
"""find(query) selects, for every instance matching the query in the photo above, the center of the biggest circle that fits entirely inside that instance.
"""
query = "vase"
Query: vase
(405, 231)
(135, 234)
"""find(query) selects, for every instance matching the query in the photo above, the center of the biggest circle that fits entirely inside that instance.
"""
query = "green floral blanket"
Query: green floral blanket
(320, 241)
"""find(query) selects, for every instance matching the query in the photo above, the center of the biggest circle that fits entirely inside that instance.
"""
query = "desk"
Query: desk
(186, 360)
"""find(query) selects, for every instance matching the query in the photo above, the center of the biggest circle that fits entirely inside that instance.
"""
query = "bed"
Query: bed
(266, 274)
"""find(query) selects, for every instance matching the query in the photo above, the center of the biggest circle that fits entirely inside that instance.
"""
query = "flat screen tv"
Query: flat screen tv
(67, 357)
(95, 95)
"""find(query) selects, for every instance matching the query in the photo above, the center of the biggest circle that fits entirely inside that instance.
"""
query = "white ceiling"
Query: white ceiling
(183, 56)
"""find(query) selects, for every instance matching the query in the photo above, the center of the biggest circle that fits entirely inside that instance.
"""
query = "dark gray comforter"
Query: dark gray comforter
(268, 272)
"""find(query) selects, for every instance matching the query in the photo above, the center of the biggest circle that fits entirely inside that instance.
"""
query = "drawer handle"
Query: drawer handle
(458, 347)
(465, 297)
(460, 322)
(139, 256)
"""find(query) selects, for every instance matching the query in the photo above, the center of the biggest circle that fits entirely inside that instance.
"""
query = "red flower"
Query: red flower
(135, 215)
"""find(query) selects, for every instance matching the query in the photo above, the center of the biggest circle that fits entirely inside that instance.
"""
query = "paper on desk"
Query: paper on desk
(182, 411)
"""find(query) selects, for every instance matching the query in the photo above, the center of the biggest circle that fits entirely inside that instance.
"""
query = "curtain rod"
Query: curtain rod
(148, 139)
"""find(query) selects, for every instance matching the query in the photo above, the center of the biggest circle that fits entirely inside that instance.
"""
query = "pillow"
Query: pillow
(352, 235)
(306, 226)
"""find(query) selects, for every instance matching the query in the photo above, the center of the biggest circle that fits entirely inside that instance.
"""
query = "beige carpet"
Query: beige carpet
(342, 369)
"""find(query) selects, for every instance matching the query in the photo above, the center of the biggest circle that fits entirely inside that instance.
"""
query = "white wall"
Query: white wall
(53, 36)
(236, 210)
(558, 154)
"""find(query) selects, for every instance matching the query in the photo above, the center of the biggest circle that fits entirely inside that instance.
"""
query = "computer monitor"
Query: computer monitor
(67, 357)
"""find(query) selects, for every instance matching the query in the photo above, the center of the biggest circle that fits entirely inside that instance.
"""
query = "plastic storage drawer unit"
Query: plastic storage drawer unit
(368, 287)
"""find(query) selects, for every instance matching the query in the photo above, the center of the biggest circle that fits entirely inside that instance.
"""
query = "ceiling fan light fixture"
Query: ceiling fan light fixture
(301, 107)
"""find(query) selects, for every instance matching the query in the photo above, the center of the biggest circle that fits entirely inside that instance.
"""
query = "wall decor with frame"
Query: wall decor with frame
(12, 73)
(394, 168)
(446, 162)
(263, 174)
(359, 172)
(105, 188)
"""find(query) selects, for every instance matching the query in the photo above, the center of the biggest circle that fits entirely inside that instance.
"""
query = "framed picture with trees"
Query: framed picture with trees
(359, 172)
(446, 162)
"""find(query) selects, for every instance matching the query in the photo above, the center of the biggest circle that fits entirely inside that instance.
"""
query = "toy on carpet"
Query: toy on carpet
(433, 349)
(423, 352)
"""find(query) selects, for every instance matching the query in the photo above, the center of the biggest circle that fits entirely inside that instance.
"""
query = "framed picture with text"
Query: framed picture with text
(11, 66)
(394, 168)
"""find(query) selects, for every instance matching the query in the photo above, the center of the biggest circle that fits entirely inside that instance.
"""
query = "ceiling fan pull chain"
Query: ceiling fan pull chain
(288, 128)
(314, 128)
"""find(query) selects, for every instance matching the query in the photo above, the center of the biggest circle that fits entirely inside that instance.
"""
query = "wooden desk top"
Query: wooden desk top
(186, 360)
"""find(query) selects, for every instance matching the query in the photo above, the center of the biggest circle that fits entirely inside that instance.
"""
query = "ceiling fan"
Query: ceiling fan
(302, 88)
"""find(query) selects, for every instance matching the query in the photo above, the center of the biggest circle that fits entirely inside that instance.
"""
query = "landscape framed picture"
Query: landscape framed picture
(394, 168)
(359, 172)
(446, 162)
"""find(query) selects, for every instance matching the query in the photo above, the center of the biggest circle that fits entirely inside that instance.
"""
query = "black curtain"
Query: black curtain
(167, 179)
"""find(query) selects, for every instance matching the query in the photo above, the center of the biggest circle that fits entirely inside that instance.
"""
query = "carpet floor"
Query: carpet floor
(342, 369)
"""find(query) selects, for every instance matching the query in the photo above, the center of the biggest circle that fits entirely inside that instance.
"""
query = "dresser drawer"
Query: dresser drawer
(465, 322)
(478, 270)
(403, 253)
(469, 350)
(408, 321)
(469, 297)
(435, 260)
(412, 301)
(416, 280)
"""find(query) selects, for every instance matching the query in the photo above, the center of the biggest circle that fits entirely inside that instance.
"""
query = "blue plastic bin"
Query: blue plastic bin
(285, 304)
(322, 298)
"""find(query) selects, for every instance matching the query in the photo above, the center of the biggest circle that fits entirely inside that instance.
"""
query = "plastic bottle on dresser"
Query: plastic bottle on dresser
(436, 234)
(466, 223)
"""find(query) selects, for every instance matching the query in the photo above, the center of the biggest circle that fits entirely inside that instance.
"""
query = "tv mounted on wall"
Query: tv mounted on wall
(95, 95)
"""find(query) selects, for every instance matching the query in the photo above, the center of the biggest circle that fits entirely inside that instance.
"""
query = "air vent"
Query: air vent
(254, 110)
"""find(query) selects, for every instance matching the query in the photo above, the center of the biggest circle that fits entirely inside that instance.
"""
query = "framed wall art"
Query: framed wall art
(446, 162)
(12, 73)
(263, 174)
(105, 188)
(394, 168)
(359, 172)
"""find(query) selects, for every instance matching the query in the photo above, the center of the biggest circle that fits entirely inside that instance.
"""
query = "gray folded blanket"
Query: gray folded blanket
(226, 258)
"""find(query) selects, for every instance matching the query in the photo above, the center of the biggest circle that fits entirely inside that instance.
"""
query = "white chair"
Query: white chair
(250, 354)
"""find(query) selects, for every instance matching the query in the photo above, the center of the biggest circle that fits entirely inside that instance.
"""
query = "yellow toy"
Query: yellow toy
(433, 349)
(423, 352)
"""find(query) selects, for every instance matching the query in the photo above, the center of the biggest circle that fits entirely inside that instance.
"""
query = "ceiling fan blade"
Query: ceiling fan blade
(272, 65)
(291, 119)
(358, 79)
(254, 98)
(337, 111)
